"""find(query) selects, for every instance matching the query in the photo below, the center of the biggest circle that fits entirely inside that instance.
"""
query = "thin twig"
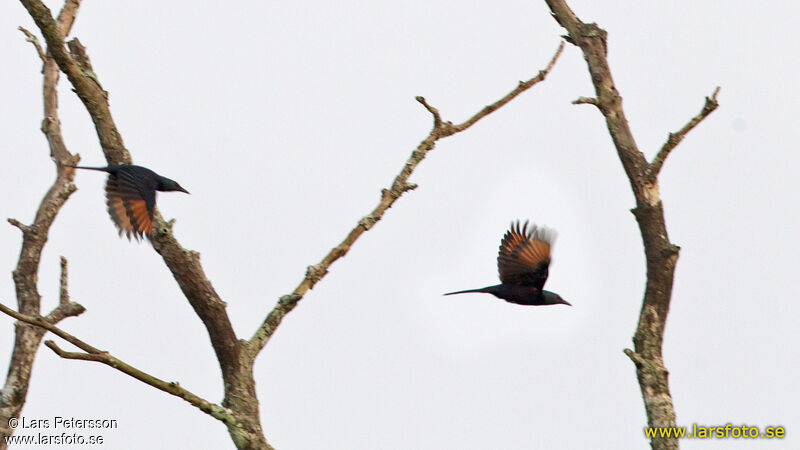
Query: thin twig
(522, 87)
(65, 308)
(86, 88)
(63, 291)
(586, 101)
(94, 354)
(16, 223)
(399, 186)
(675, 138)
(437, 119)
(63, 311)
(30, 37)
(41, 322)
(635, 357)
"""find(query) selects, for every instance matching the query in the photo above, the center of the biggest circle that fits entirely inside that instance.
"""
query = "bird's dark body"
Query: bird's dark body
(143, 178)
(523, 263)
(131, 196)
(512, 293)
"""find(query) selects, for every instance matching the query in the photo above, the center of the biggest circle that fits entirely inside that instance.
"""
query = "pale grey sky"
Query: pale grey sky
(285, 120)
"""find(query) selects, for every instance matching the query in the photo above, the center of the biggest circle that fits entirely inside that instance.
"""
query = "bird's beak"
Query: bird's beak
(183, 190)
(566, 302)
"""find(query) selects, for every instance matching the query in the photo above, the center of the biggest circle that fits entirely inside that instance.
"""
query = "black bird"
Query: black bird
(522, 263)
(131, 197)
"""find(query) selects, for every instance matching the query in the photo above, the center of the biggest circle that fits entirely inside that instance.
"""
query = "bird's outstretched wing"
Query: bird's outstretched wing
(130, 204)
(524, 255)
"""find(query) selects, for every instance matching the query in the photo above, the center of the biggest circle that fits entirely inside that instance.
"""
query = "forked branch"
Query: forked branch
(34, 237)
(661, 254)
(675, 138)
(389, 196)
(91, 353)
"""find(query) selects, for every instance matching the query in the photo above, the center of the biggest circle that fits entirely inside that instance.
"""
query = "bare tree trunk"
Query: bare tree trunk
(28, 337)
(661, 254)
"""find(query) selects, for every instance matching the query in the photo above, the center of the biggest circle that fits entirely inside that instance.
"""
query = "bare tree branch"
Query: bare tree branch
(93, 354)
(437, 118)
(586, 101)
(399, 186)
(238, 382)
(27, 338)
(88, 91)
(63, 286)
(661, 254)
(523, 86)
(65, 307)
(35, 41)
(235, 356)
(675, 138)
(16, 223)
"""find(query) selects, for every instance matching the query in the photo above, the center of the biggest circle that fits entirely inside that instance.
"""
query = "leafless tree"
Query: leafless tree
(661, 254)
(34, 236)
(239, 409)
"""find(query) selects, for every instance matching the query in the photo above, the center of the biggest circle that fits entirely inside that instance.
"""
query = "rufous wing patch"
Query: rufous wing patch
(139, 215)
(524, 255)
(533, 253)
(127, 209)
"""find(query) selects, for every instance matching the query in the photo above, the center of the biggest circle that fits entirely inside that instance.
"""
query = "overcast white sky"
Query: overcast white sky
(285, 120)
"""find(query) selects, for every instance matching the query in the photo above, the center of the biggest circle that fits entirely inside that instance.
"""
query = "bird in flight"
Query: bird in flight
(131, 197)
(523, 263)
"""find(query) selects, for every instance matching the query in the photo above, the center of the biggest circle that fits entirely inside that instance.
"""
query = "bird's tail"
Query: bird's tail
(102, 169)
(486, 290)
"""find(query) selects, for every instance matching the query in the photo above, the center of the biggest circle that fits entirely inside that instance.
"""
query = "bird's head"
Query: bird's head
(165, 185)
(551, 298)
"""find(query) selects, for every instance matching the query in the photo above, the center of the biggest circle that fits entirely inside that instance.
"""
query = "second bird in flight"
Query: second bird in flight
(523, 263)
